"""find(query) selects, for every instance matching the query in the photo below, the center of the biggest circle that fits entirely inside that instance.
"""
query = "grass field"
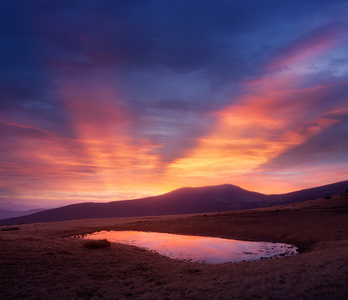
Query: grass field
(42, 261)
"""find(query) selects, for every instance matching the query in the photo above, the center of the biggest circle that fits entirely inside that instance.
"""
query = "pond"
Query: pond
(197, 248)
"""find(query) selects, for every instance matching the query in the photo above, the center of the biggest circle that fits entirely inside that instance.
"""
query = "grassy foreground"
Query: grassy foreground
(41, 261)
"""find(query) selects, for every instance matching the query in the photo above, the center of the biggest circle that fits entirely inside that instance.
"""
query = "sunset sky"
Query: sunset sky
(106, 100)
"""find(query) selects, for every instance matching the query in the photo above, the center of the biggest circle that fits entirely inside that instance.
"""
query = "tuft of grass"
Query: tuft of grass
(97, 244)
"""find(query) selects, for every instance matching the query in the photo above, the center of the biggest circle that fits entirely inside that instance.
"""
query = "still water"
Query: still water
(196, 248)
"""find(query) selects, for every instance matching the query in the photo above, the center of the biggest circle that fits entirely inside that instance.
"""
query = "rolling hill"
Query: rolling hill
(182, 201)
(5, 213)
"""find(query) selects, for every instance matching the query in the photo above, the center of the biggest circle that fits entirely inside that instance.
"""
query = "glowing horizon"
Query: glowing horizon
(113, 112)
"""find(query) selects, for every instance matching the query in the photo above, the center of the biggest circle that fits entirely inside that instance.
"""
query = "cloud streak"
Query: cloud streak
(106, 99)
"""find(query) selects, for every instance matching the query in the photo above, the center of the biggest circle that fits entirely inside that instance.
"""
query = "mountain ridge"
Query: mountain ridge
(6, 213)
(187, 200)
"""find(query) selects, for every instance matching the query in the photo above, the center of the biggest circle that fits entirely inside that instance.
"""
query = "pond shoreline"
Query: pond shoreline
(195, 248)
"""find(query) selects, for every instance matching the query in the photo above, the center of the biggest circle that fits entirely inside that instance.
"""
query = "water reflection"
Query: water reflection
(196, 248)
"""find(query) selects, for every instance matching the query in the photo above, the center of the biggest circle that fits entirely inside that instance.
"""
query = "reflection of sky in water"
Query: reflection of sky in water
(196, 248)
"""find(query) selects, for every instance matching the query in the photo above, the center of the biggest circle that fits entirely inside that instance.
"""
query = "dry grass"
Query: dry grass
(41, 261)
(97, 244)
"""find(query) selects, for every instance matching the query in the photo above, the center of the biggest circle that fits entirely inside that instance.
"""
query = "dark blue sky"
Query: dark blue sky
(118, 99)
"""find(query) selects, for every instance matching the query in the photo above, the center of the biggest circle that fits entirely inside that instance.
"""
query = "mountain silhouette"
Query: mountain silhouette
(5, 213)
(181, 201)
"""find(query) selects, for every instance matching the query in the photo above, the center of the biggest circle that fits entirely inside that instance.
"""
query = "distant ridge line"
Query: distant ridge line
(187, 200)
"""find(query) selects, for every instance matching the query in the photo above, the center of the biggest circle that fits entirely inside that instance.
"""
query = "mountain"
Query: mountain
(18, 207)
(6, 213)
(182, 201)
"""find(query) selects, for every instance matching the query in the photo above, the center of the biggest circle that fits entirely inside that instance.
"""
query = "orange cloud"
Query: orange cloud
(103, 160)
(276, 113)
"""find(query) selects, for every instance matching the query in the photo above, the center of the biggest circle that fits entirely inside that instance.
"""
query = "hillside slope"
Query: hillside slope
(182, 201)
(5, 213)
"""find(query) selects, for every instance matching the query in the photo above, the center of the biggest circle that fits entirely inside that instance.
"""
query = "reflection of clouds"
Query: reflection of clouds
(195, 248)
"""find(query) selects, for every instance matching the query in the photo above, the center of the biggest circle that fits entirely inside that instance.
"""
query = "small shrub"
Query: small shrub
(97, 244)
(10, 228)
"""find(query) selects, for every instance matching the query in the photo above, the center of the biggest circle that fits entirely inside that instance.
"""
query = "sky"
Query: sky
(106, 100)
